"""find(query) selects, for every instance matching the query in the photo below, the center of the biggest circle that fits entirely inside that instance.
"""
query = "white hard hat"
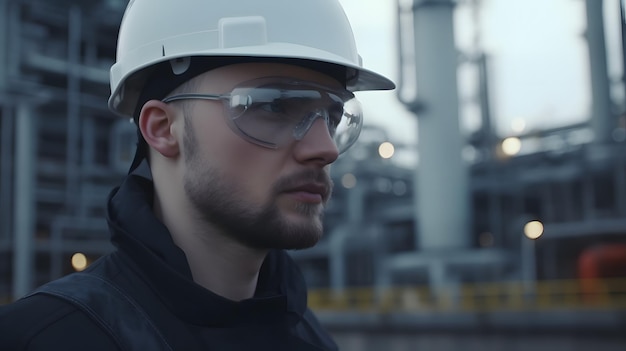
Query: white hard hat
(157, 31)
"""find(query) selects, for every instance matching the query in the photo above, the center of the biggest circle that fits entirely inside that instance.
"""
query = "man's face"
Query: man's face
(264, 198)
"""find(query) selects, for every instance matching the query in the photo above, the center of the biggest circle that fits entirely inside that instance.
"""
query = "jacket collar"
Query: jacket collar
(138, 234)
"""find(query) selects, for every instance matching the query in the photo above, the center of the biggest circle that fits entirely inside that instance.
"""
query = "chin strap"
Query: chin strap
(141, 153)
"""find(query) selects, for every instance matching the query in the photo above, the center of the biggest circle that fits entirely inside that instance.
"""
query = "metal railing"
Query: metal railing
(609, 294)
(502, 296)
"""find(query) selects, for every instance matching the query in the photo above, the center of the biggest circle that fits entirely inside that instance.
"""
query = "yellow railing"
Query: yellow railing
(510, 296)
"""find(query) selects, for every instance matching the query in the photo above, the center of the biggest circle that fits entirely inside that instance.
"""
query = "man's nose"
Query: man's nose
(317, 145)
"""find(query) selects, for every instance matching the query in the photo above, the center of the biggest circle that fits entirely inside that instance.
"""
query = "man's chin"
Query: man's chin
(307, 231)
(283, 226)
(300, 242)
(298, 232)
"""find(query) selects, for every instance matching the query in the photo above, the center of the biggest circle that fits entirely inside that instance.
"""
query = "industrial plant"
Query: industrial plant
(483, 237)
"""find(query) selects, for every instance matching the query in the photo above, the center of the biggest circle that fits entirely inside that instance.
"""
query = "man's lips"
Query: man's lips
(310, 192)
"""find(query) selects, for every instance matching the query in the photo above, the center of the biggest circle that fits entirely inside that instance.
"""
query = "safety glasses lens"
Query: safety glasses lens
(273, 113)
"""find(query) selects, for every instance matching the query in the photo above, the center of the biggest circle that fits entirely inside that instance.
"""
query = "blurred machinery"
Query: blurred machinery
(532, 221)
(444, 225)
(61, 149)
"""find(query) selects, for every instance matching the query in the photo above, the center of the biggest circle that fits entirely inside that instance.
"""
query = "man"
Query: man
(241, 106)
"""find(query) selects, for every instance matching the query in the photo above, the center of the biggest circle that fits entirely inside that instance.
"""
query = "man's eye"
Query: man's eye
(275, 107)
(334, 115)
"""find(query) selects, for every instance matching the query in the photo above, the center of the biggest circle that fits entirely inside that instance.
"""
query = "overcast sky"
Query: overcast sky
(539, 61)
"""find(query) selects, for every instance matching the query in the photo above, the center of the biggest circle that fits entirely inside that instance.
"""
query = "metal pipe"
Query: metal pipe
(25, 209)
(407, 89)
(6, 177)
(4, 40)
(622, 11)
(602, 119)
(442, 177)
(73, 109)
(485, 109)
(529, 266)
(338, 240)
(14, 51)
(88, 132)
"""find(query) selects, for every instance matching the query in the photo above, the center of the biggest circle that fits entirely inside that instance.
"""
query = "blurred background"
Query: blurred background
(484, 207)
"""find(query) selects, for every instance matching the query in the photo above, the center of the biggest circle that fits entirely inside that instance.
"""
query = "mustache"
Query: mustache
(319, 177)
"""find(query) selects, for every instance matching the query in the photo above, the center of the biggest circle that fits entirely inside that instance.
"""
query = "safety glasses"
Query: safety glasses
(274, 111)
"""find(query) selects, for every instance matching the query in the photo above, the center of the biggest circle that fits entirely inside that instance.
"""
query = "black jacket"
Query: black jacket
(153, 271)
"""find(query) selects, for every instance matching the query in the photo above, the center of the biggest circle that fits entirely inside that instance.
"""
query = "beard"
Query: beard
(220, 202)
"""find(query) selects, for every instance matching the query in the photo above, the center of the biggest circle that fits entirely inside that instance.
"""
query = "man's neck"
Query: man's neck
(221, 265)
(217, 262)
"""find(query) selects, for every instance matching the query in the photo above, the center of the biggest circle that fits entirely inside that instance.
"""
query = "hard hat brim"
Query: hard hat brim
(124, 97)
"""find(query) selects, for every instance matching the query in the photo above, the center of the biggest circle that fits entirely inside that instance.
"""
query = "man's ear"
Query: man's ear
(156, 124)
